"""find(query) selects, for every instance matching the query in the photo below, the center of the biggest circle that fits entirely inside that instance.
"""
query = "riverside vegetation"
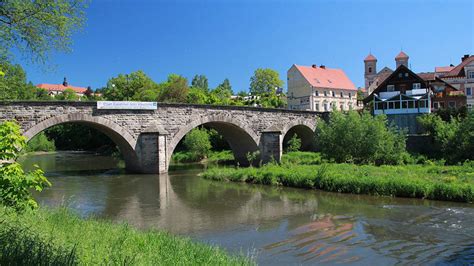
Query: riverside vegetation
(362, 154)
(36, 236)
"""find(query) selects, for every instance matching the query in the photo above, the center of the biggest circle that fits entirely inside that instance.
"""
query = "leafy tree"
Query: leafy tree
(360, 138)
(198, 144)
(36, 27)
(294, 144)
(134, 86)
(15, 184)
(265, 81)
(67, 95)
(197, 95)
(223, 92)
(200, 81)
(453, 140)
(175, 89)
(13, 84)
(40, 143)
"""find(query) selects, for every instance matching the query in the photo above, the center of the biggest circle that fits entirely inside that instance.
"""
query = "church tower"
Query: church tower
(401, 59)
(370, 73)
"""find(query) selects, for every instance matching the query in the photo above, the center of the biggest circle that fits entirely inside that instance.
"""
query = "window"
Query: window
(342, 94)
(469, 107)
(406, 75)
(468, 91)
(390, 87)
(341, 106)
(326, 107)
(350, 95)
(316, 106)
(452, 104)
(400, 75)
(333, 94)
(325, 93)
(436, 105)
(471, 74)
(316, 93)
(416, 86)
(370, 70)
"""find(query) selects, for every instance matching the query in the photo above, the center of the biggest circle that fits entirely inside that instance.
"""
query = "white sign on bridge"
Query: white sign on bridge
(124, 105)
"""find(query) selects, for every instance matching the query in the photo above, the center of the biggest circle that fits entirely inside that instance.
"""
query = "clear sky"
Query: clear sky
(230, 39)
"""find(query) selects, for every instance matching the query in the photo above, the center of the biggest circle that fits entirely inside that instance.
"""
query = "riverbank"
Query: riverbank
(60, 237)
(220, 157)
(436, 182)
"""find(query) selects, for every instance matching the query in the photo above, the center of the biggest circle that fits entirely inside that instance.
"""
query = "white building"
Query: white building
(320, 88)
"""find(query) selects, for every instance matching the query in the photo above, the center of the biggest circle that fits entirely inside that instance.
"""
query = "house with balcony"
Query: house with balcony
(319, 88)
(404, 95)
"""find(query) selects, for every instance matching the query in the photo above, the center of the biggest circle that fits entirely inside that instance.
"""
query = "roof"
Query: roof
(332, 78)
(370, 57)
(60, 87)
(401, 55)
(443, 69)
(458, 71)
(427, 75)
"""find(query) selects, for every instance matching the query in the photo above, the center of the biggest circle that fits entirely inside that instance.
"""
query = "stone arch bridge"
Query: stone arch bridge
(147, 138)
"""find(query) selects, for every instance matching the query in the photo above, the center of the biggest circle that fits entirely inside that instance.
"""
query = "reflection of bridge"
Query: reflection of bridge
(147, 138)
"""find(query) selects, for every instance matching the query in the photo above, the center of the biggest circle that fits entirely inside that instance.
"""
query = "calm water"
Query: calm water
(278, 226)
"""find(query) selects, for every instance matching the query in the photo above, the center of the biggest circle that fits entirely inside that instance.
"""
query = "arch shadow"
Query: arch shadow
(121, 137)
(305, 132)
(240, 137)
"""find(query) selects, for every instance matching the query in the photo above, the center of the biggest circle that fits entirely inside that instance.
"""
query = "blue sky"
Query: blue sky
(230, 39)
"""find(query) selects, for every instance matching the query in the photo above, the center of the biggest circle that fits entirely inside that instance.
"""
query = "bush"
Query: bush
(453, 140)
(360, 138)
(294, 144)
(15, 184)
(40, 143)
(198, 144)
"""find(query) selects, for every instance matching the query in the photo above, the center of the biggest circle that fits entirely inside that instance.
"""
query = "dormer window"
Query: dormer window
(416, 86)
(390, 87)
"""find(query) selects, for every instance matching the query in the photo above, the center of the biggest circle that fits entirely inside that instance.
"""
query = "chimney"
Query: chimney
(323, 66)
(451, 65)
(466, 56)
(65, 82)
(314, 66)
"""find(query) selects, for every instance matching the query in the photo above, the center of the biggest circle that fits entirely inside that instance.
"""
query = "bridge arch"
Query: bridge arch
(305, 131)
(241, 138)
(121, 137)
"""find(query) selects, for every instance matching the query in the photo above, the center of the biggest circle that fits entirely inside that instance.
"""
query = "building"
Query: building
(320, 88)
(55, 89)
(461, 77)
(404, 95)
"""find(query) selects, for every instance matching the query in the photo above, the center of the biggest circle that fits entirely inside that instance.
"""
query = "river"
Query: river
(276, 226)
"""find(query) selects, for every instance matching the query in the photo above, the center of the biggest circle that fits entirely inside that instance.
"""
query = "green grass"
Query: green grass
(213, 157)
(430, 181)
(59, 237)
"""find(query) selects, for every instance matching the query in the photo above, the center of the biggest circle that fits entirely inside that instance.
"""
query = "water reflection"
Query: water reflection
(282, 225)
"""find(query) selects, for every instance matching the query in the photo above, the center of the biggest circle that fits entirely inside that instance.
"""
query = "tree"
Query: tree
(13, 85)
(198, 144)
(196, 95)
(360, 138)
(200, 81)
(265, 81)
(68, 95)
(134, 86)
(36, 27)
(15, 184)
(223, 91)
(175, 89)
(294, 144)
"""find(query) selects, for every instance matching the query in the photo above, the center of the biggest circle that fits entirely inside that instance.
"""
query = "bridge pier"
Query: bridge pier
(271, 146)
(151, 153)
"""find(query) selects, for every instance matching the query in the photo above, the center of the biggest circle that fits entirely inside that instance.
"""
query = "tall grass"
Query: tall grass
(453, 183)
(59, 237)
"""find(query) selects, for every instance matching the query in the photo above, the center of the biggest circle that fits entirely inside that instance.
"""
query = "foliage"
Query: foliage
(15, 184)
(360, 138)
(198, 144)
(454, 140)
(40, 143)
(301, 158)
(197, 96)
(449, 113)
(13, 84)
(69, 238)
(294, 144)
(223, 92)
(67, 95)
(175, 89)
(452, 183)
(134, 86)
(200, 82)
(265, 81)
(37, 27)
(225, 156)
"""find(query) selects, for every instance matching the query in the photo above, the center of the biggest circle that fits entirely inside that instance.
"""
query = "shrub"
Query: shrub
(294, 144)
(360, 138)
(198, 144)
(40, 143)
(15, 184)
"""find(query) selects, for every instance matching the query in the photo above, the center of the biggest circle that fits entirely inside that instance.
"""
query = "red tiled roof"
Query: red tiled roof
(326, 77)
(427, 75)
(60, 87)
(370, 57)
(443, 69)
(458, 71)
(401, 55)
